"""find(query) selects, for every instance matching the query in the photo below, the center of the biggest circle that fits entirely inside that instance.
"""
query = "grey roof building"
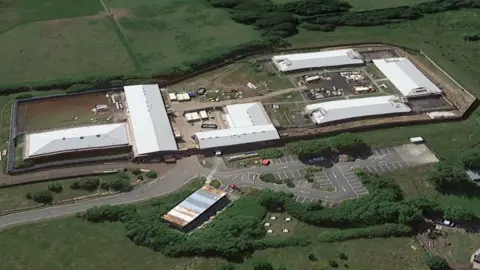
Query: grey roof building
(75, 139)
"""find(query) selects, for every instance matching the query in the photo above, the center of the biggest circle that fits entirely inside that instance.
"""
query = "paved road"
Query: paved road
(334, 184)
(337, 183)
(169, 182)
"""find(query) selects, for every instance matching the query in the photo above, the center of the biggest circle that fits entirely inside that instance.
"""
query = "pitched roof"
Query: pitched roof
(291, 62)
(149, 120)
(332, 111)
(75, 139)
(406, 77)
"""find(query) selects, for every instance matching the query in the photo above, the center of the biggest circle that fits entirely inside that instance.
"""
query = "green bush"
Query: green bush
(333, 263)
(436, 262)
(140, 177)
(215, 183)
(384, 230)
(105, 186)
(228, 266)
(108, 213)
(270, 178)
(55, 187)
(343, 256)
(121, 184)
(270, 153)
(24, 96)
(28, 195)
(312, 257)
(88, 184)
(136, 171)
(123, 175)
(151, 174)
(44, 196)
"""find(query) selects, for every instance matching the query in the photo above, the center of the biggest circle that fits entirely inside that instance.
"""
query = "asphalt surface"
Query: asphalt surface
(331, 186)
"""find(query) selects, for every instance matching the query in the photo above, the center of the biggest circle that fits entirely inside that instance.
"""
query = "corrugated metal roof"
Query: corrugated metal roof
(406, 77)
(194, 205)
(352, 108)
(151, 126)
(247, 114)
(291, 62)
(236, 136)
(74, 139)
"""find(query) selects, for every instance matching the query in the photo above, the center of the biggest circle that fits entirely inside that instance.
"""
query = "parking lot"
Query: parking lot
(284, 160)
(352, 180)
(320, 179)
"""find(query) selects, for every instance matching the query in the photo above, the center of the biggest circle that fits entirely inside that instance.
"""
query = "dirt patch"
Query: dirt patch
(62, 112)
(119, 13)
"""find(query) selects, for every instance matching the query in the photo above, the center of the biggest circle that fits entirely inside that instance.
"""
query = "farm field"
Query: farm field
(78, 47)
(166, 34)
(68, 242)
(62, 112)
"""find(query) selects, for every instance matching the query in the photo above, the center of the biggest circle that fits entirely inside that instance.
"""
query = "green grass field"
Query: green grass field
(71, 243)
(63, 48)
(14, 197)
(34, 10)
(168, 33)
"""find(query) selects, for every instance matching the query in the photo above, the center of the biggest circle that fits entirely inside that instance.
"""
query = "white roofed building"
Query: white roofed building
(149, 121)
(406, 77)
(340, 110)
(248, 123)
(54, 142)
(301, 61)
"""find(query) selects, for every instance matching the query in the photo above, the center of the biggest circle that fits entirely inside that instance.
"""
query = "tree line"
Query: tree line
(282, 20)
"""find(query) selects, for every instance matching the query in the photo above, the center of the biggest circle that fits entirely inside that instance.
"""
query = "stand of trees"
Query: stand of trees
(324, 15)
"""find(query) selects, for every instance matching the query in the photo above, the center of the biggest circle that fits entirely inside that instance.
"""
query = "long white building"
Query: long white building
(406, 77)
(148, 120)
(340, 110)
(95, 137)
(247, 123)
(300, 61)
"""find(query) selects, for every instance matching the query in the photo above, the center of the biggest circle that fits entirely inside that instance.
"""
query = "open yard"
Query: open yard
(62, 112)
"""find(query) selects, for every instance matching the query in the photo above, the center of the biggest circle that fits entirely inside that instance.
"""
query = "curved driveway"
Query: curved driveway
(184, 171)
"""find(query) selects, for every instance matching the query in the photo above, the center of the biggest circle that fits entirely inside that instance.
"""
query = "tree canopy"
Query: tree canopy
(310, 148)
(471, 159)
(436, 262)
(458, 213)
(447, 177)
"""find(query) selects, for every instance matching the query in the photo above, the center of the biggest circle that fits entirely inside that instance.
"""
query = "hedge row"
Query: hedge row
(384, 230)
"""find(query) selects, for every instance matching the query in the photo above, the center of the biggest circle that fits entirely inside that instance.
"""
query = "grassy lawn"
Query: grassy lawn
(14, 197)
(59, 49)
(261, 79)
(413, 182)
(71, 243)
(9, 14)
(164, 34)
(360, 5)
(289, 97)
(34, 10)
(374, 71)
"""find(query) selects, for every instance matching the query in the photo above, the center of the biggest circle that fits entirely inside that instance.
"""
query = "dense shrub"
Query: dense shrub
(108, 213)
(28, 195)
(55, 187)
(270, 178)
(121, 184)
(215, 183)
(270, 153)
(136, 171)
(44, 196)
(88, 184)
(24, 96)
(384, 230)
(310, 148)
(436, 262)
(80, 88)
(151, 174)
